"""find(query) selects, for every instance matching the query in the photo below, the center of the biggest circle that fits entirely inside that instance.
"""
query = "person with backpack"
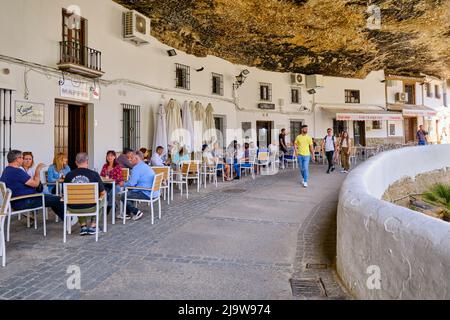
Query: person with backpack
(329, 145)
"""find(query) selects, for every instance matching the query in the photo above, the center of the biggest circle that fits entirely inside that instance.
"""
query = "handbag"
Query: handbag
(40, 188)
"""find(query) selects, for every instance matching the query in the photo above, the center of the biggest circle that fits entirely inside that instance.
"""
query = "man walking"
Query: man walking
(422, 136)
(329, 145)
(304, 150)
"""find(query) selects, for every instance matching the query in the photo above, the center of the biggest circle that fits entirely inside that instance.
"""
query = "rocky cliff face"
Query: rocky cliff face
(330, 37)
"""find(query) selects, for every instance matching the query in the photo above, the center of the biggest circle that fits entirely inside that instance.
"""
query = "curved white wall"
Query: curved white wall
(411, 250)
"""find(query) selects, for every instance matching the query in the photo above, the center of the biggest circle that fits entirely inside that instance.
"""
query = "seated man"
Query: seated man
(84, 175)
(21, 184)
(124, 159)
(141, 176)
(243, 158)
(157, 158)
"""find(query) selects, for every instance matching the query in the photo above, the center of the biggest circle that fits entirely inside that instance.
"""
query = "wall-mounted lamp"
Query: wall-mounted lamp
(171, 52)
(240, 79)
(312, 91)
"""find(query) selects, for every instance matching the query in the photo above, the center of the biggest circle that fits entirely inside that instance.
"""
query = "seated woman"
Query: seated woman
(28, 164)
(111, 170)
(181, 156)
(58, 170)
(243, 158)
(146, 154)
(210, 157)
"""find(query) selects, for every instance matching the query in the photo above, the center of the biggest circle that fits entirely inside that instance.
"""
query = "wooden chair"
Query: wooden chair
(262, 159)
(180, 178)
(165, 171)
(210, 169)
(87, 194)
(5, 197)
(125, 174)
(194, 172)
(155, 196)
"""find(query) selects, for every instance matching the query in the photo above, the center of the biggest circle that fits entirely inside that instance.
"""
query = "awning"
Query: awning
(336, 107)
(372, 116)
(410, 110)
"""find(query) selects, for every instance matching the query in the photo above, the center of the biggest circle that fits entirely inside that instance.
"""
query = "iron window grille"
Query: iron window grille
(6, 101)
(376, 125)
(295, 95)
(183, 76)
(352, 96)
(131, 126)
(217, 84)
(265, 91)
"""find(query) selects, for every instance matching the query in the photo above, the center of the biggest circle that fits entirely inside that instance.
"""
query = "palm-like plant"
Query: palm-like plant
(439, 195)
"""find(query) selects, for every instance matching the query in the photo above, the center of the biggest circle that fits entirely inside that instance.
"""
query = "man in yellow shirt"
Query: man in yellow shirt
(304, 150)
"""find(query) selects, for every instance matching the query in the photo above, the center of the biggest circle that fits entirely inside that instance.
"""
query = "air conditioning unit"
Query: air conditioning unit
(298, 79)
(401, 97)
(314, 81)
(136, 28)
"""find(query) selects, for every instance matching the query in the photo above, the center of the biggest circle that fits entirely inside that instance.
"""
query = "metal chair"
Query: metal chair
(210, 170)
(262, 159)
(82, 194)
(180, 178)
(156, 188)
(248, 166)
(125, 174)
(5, 197)
(194, 173)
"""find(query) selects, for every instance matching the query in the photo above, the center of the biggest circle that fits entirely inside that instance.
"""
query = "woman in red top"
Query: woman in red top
(111, 170)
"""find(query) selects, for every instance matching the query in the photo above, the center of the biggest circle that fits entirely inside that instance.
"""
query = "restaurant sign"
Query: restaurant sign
(368, 117)
(266, 106)
(419, 113)
(75, 90)
(29, 112)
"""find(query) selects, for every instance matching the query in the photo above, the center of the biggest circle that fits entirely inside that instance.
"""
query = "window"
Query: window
(73, 37)
(265, 91)
(392, 129)
(247, 130)
(131, 123)
(295, 95)
(376, 125)
(183, 76)
(296, 127)
(217, 84)
(339, 127)
(428, 90)
(437, 92)
(351, 96)
(410, 90)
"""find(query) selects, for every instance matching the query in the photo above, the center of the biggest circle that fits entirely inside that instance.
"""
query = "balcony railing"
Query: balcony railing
(73, 53)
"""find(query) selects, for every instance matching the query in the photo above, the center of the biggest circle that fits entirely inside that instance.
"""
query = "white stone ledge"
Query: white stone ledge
(411, 250)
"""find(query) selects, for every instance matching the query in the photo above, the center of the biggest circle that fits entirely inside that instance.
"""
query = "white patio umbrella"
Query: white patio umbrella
(198, 126)
(160, 138)
(210, 125)
(192, 110)
(174, 123)
(188, 137)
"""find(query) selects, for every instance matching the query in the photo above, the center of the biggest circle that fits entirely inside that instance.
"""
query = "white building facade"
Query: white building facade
(92, 91)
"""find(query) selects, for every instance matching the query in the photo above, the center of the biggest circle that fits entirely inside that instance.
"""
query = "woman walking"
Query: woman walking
(344, 149)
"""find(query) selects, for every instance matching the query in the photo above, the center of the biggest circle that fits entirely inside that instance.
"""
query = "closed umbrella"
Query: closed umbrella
(160, 138)
(198, 126)
(192, 110)
(188, 134)
(210, 125)
(174, 123)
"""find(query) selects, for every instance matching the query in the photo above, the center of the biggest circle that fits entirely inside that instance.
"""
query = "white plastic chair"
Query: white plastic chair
(78, 194)
(156, 188)
(5, 197)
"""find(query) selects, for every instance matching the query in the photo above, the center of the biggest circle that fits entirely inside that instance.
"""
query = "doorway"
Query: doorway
(410, 125)
(359, 133)
(264, 132)
(219, 122)
(70, 129)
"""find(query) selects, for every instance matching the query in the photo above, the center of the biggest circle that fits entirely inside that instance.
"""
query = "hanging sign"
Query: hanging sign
(75, 90)
(29, 112)
(419, 113)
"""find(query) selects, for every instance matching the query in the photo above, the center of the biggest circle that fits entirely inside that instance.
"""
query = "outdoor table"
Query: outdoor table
(112, 182)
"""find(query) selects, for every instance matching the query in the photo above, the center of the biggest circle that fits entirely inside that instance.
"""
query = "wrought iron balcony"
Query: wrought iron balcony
(79, 59)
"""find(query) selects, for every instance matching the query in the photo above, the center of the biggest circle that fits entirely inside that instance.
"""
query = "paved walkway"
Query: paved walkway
(244, 240)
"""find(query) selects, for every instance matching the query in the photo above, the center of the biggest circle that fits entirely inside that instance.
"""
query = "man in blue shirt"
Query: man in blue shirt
(21, 184)
(141, 176)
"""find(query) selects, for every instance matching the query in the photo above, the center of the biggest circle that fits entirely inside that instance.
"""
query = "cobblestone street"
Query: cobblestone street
(243, 240)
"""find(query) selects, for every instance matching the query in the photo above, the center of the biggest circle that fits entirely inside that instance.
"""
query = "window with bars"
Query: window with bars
(265, 91)
(295, 95)
(376, 125)
(428, 90)
(437, 92)
(183, 77)
(352, 96)
(6, 114)
(217, 84)
(296, 128)
(131, 126)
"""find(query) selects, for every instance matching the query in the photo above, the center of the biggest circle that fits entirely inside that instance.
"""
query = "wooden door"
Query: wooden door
(74, 37)
(359, 132)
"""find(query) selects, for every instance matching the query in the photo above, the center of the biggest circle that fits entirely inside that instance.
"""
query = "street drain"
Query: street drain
(234, 191)
(308, 288)
(316, 266)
